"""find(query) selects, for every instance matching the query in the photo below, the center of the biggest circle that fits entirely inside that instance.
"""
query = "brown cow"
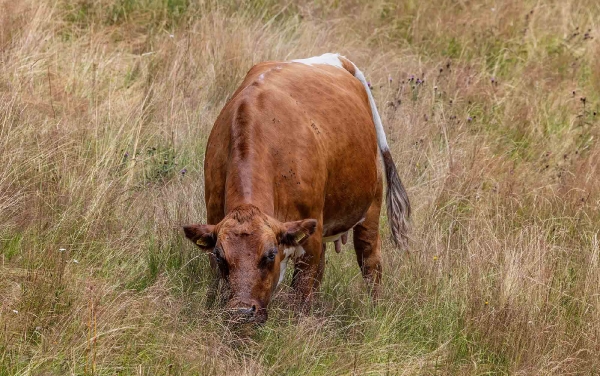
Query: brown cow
(292, 163)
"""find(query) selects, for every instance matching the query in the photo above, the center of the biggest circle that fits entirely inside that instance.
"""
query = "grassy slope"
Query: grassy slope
(104, 103)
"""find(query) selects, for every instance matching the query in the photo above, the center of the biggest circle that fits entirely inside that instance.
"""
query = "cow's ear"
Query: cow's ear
(202, 235)
(296, 233)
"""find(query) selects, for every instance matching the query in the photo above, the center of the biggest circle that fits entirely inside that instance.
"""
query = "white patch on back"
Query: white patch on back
(326, 59)
(292, 252)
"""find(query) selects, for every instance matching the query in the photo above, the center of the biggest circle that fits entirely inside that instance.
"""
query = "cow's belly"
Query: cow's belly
(348, 199)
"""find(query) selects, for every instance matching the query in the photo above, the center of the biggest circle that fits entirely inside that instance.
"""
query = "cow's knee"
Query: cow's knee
(367, 245)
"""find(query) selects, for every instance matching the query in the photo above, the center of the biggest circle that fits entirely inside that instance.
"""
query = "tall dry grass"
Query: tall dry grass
(491, 111)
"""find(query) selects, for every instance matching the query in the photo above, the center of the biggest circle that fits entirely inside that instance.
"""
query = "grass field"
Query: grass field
(490, 108)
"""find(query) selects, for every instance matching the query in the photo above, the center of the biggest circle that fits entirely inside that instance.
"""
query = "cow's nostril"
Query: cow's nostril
(246, 311)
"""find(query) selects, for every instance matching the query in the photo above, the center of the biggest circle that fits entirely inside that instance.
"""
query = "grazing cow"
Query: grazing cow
(292, 162)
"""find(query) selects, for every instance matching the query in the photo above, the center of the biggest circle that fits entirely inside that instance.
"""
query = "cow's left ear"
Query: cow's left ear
(202, 235)
(296, 233)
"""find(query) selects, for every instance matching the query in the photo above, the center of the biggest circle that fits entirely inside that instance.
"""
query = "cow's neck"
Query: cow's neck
(249, 181)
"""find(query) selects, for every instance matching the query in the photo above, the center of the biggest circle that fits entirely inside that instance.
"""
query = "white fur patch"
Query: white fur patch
(381, 139)
(326, 59)
(282, 267)
(293, 253)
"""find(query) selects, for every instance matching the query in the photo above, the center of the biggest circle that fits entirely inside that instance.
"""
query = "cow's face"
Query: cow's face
(247, 246)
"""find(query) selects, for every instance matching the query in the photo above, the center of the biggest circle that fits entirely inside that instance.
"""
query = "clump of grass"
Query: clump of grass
(105, 109)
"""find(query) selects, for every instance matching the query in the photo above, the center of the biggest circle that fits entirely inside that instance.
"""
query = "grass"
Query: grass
(105, 109)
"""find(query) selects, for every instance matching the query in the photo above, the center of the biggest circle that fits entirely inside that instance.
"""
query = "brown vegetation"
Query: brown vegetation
(491, 114)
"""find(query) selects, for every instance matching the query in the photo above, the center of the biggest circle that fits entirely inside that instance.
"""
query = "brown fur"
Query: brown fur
(293, 155)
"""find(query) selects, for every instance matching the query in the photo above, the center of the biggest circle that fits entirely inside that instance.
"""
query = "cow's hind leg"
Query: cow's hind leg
(367, 245)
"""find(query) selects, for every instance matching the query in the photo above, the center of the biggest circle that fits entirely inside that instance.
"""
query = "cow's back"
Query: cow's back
(306, 135)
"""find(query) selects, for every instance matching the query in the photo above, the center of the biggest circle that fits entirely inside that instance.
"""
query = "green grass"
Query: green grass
(104, 105)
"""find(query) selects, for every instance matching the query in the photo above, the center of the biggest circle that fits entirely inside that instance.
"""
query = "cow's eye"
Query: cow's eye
(219, 256)
(271, 255)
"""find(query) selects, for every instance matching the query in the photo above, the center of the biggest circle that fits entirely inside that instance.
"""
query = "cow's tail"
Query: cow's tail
(398, 205)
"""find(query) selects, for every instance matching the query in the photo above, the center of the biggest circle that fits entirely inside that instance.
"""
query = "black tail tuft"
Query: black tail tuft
(398, 205)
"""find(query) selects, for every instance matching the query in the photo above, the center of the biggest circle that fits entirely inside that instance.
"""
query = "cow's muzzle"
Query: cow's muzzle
(240, 312)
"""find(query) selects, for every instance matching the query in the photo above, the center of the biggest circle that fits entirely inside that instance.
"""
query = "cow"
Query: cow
(293, 162)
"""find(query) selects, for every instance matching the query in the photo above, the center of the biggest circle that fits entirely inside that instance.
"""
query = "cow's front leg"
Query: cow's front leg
(308, 270)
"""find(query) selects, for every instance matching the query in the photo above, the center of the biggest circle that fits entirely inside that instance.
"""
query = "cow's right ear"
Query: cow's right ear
(296, 233)
(202, 235)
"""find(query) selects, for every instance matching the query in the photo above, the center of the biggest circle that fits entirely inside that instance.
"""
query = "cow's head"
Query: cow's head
(247, 245)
